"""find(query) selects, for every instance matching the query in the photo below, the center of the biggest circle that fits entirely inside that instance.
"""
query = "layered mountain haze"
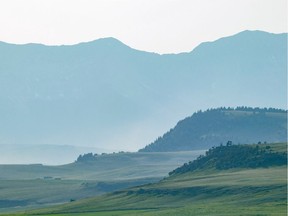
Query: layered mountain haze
(103, 93)
(43, 154)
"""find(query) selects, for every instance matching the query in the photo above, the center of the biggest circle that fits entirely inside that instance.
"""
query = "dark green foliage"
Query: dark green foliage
(235, 156)
(243, 125)
(86, 157)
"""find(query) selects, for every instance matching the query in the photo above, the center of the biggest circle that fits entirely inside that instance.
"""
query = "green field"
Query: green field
(118, 166)
(33, 186)
(245, 191)
(234, 192)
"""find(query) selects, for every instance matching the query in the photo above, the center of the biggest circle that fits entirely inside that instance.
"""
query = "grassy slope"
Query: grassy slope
(261, 191)
(120, 166)
(24, 186)
(234, 192)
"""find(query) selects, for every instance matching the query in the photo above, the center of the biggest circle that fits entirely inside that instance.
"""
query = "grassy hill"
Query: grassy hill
(26, 186)
(116, 166)
(237, 191)
(235, 156)
(202, 130)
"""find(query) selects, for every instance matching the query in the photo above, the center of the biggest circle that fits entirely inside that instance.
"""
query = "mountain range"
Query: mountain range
(104, 93)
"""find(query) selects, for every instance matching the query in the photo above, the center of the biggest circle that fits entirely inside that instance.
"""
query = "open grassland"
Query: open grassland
(118, 166)
(232, 192)
(237, 191)
(32, 186)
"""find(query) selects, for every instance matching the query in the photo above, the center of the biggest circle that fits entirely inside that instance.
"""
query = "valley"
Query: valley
(207, 191)
(71, 106)
(258, 191)
(35, 185)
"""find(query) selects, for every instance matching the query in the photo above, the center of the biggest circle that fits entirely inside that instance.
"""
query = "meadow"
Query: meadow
(33, 186)
(237, 191)
(234, 192)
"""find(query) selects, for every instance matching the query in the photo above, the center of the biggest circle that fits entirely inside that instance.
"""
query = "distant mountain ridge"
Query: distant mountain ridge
(213, 127)
(83, 94)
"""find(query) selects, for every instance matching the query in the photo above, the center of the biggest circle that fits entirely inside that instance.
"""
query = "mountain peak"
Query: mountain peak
(109, 42)
(251, 37)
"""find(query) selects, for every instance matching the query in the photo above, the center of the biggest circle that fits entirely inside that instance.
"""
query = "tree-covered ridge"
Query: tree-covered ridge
(90, 157)
(235, 156)
(215, 126)
(251, 109)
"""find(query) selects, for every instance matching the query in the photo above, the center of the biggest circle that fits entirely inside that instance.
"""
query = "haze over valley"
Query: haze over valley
(104, 94)
(143, 108)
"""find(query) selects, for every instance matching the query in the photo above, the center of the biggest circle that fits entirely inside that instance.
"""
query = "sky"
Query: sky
(161, 26)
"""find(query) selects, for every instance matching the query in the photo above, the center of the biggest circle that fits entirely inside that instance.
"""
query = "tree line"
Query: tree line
(235, 156)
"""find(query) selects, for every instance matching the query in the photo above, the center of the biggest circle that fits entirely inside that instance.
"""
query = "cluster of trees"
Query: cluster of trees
(88, 157)
(235, 156)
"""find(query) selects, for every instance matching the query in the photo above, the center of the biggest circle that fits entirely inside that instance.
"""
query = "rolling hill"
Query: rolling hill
(205, 129)
(207, 191)
(37, 185)
(103, 93)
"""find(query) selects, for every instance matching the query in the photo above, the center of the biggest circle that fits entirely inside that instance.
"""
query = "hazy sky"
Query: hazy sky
(163, 26)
